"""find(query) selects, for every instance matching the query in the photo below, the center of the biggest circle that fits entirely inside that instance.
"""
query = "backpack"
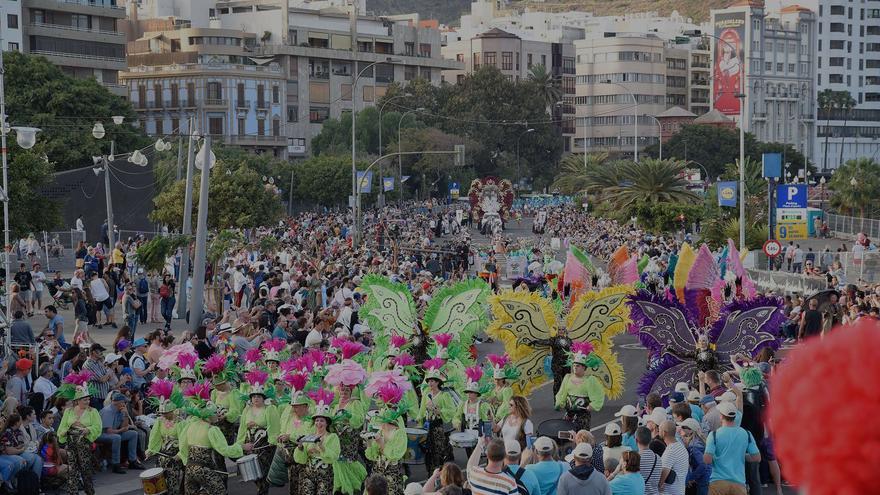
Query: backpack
(518, 479)
(143, 287)
(164, 291)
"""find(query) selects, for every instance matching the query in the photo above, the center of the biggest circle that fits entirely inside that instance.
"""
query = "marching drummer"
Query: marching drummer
(259, 425)
(295, 424)
(581, 394)
(473, 412)
(386, 448)
(164, 435)
(222, 371)
(502, 392)
(318, 453)
(438, 410)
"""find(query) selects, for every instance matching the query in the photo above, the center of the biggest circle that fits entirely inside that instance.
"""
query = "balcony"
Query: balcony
(242, 104)
(699, 100)
(258, 140)
(93, 7)
(111, 36)
(175, 104)
(262, 105)
(215, 102)
(700, 65)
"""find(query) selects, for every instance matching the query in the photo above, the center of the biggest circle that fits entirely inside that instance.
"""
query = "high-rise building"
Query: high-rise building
(770, 57)
(10, 25)
(848, 61)
(79, 36)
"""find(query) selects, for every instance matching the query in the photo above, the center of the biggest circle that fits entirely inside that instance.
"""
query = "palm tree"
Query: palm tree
(547, 86)
(826, 101)
(846, 103)
(854, 185)
(652, 181)
(575, 174)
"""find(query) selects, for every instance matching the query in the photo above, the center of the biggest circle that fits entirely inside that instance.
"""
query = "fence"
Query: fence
(855, 268)
(851, 226)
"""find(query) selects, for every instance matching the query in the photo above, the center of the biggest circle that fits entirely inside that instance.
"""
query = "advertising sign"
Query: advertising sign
(728, 67)
(791, 224)
(365, 182)
(727, 193)
(791, 196)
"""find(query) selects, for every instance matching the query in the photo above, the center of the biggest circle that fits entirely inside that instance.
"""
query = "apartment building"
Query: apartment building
(79, 36)
(614, 73)
(10, 25)
(848, 60)
(206, 74)
(770, 57)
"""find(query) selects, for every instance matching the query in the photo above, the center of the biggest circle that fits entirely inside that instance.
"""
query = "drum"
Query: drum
(552, 427)
(249, 468)
(153, 481)
(278, 469)
(414, 451)
(463, 439)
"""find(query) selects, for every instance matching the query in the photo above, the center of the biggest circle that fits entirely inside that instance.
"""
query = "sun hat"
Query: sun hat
(628, 411)
(727, 409)
(612, 429)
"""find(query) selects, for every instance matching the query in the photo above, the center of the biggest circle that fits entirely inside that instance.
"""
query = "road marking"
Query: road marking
(633, 347)
(603, 425)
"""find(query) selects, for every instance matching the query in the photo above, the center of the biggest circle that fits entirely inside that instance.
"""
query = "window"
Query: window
(791, 68)
(426, 73)
(779, 67)
(341, 68)
(835, 78)
(459, 57)
(276, 127)
(345, 90)
(409, 49)
(410, 72)
(544, 60)
(261, 127)
(81, 21)
(529, 61)
(490, 58)
(835, 62)
(837, 27)
(215, 91)
(768, 66)
(38, 16)
(175, 125)
(292, 113)
(12, 21)
(215, 126)
(368, 93)
(157, 95)
(318, 115)
(160, 131)
(175, 96)
(506, 60)
(241, 127)
(833, 44)
(12, 47)
(239, 96)
(476, 60)
(276, 94)
(261, 96)
(191, 94)
(424, 49)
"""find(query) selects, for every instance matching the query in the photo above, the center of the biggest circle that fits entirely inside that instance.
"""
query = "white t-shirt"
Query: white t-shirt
(76, 283)
(99, 290)
(510, 432)
(38, 279)
(675, 458)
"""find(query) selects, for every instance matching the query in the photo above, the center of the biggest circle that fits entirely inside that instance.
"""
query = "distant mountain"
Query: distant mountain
(449, 11)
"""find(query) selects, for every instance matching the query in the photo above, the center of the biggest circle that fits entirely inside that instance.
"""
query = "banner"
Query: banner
(365, 182)
(387, 184)
(727, 193)
(404, 179)
(728, 64)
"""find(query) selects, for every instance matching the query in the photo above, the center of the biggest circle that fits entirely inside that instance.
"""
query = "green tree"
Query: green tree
(826, 101)
(575, 172)
(430, 169)
(39, 94)
(545, 85)
(651, 181)
(238, 198)
(30, 211)
(325, 179)
(711, 146)
(845, 102)
(854, 186)
(717, 231)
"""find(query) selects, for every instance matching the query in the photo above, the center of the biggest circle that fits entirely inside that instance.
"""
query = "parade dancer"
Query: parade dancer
(581, 394)
(259, 424)
(164, 435)
(319, 453)
(80, 426)
(387, 441)
(437, 410)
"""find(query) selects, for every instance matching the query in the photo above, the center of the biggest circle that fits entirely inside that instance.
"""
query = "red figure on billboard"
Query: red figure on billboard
(728, 72)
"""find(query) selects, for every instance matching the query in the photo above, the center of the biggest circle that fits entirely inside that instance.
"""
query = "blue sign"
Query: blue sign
(387, 184)
(365, 182)
(791, 196)
(772, 165)
(727, 193)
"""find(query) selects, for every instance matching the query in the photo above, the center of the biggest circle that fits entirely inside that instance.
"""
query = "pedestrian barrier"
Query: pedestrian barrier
(842, 225)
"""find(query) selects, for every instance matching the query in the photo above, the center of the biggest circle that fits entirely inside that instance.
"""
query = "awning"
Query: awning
(319, 36)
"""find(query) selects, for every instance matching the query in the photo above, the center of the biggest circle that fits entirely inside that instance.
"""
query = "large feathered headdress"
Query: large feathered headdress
(165, 395)
(76, 386)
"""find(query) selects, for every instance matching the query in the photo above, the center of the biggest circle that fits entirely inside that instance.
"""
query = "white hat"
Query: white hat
(657, 416)
(628, 411)
(544, 445)
(313, 338)
(727, 409)
(413, 489)
(582, 451)
(512, 448)
(693, 396)
(111, 358)
(612, 429)
(693, 425)
(727, 397)
(682, 387)
(225, 327)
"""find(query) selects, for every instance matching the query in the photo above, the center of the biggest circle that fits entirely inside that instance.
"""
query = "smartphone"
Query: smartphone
(487, 428)
(564, 435)
(530, 440)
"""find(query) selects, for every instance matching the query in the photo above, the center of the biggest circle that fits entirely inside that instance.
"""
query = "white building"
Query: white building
(10, 25)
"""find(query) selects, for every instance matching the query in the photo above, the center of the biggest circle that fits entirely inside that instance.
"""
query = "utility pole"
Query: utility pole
(198, 290)
(111, 237)
(182, 295)
(179, 153)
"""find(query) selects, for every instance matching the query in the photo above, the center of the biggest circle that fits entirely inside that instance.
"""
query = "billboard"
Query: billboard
(728, 73)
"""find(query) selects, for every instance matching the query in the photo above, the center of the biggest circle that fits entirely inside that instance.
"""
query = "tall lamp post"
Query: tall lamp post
(204, 161)
(518, 171)
(400, 155)
(659, 132)
(354, 185)
(381, 197)
(635, 118)
(102, 163)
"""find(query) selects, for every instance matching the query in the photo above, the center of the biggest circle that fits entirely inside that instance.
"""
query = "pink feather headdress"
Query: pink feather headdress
(187, 360)
(253, 356)
(473, 373)
(581, 348)
(215, 364)
(256, 377)
(395, 344)
(291, 364)
(498, 360)
(433, 364)
(276, 345)
(403, 360)
(380, 378)
(443, 339)
(351, 349)
(161, 389)
(297, 381)
(322, 397)
(199, 390)
(347, 373)
(390, 394)
(78, 379)
(336, 343)
(316, 358)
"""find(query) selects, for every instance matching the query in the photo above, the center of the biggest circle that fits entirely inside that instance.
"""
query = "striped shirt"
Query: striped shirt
(485, 483)
(98, 370)
(650, 467)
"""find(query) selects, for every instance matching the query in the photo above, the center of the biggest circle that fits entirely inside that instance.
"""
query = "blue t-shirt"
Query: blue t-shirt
(728, 447)
(547, 474)
(697, 413)
(627, 484)
(53, 325)
(528, 478)
(629, 441)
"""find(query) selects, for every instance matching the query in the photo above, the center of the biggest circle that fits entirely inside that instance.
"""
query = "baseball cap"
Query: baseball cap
(413, 489)
(657, 416)
(676, 397)
(139, 342)
(682, 387)
(707, 399)
(24, 364)
(582, 451)
(612, 429)
(628, 411)
(727, 397)
(512, 448)
(111, 358)
(118, 397)
(727, 409)
(544, 444)
(693, 396)
(691, 424)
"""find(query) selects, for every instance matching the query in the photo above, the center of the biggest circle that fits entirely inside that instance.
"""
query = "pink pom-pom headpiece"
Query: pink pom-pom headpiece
(199, 390)
(443, 339)
(398, 341)
(390, 393)
(322, 396)
(351, 349)
(187, 360)
(256, 377)
(403, 360)
(584, 348)
(161, 389)
(78, 379)
(473, 373)
(498, 360)
(433, 364)
(297, 381)
(215, 364)
(253, 355)
(276, 345)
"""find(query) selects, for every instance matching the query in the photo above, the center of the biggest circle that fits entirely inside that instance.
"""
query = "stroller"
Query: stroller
(61, 295)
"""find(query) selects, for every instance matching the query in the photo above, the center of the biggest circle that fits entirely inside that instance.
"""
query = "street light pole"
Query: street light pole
(381, 198)
(635, 119)
(198, 286)
(659, 133)
(110, 234)
(182, 295)
(400, 155)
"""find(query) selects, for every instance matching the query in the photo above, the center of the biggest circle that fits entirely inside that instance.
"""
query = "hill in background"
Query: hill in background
(449, 11)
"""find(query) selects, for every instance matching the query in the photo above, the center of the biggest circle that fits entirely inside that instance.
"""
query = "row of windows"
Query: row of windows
(613, 120)
(622, 77)
(625, 56)
(621, 99)
(614, 141)
(157, 127)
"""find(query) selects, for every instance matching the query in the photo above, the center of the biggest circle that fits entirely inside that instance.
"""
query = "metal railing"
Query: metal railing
(851, 226)
(51, 53)
(93, 3)
(76, 28)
